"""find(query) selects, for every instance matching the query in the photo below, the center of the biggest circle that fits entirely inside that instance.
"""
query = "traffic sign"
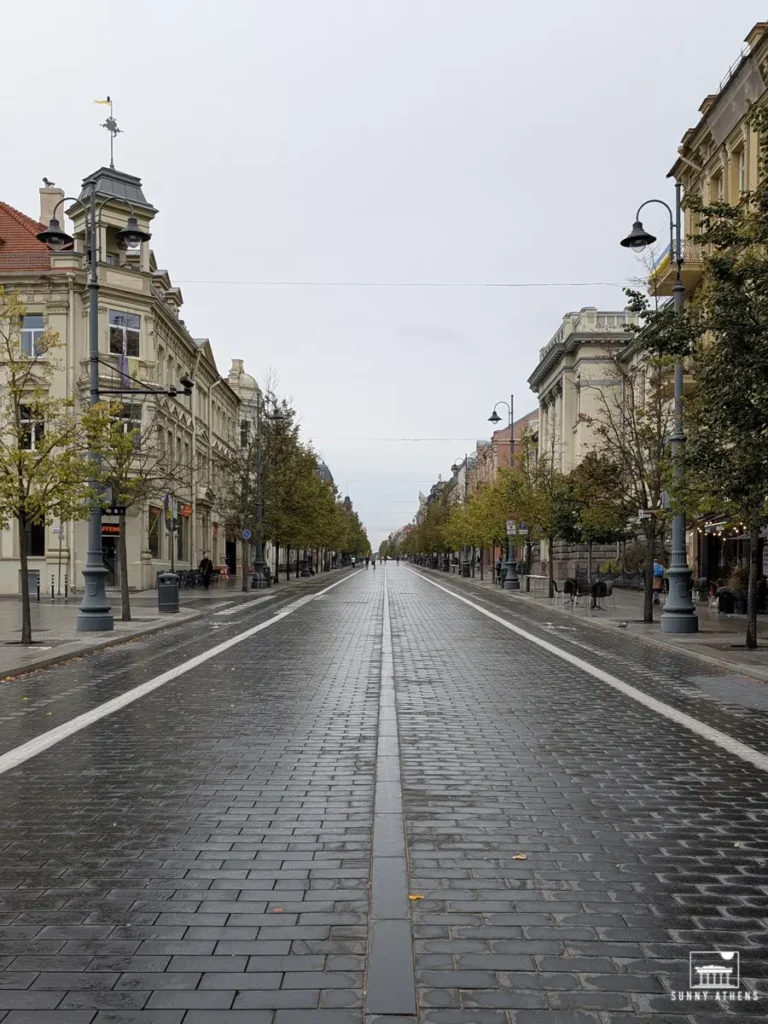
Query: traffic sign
(522, 529)
(246, 534)
(115, 510)
(511, 527)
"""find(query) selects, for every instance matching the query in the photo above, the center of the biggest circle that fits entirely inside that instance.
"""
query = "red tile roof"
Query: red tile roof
(19, 248)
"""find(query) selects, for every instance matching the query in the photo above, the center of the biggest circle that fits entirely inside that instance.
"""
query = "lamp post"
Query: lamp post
(679, 615)
(94, 613)
(511, 581)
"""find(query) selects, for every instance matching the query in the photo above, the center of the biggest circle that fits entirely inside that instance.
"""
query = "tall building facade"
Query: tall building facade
(143, 338)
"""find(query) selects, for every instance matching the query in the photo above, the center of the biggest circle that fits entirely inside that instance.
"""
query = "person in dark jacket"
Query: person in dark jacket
(206, 568)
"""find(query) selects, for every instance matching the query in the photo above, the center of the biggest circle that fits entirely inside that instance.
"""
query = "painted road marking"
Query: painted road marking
(244, 606)
(35, 746)
(720, 739)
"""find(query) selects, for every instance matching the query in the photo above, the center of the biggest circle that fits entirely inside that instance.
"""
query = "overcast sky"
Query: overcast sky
(419, 150)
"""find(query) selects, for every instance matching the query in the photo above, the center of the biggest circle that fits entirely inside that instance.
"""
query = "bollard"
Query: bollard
(38, 586)
(167, 592)
(53, 588)
(66, 586)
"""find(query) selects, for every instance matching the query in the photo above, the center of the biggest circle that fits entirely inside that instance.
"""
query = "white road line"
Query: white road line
(18, 755)
(721, 739)
(244, 606)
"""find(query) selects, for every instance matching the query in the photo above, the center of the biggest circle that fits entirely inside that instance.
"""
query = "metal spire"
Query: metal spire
(111, 125)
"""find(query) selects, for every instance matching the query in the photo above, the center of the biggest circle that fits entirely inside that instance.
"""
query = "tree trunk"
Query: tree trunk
(754, 544)
(648, 581)
(26, 613)
(482, 559)
(277, 561)
(246, 563)
(551, 566)
(122, 554)
(589, 561)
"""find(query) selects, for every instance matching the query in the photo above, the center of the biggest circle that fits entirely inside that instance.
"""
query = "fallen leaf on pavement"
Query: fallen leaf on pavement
(415, 896)
(519, 856)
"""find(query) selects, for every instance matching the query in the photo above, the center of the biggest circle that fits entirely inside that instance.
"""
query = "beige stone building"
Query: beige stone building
(718, 158)
(573, 367)
(141, 333)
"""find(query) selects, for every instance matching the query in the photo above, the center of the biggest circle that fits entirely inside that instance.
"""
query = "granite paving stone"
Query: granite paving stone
(204, 856)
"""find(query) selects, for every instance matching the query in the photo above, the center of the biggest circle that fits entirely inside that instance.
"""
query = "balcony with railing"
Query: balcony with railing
(664, 274)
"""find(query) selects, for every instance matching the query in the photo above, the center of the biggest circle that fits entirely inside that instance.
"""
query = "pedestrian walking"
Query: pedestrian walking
(398, 560)
(658, 580)
(367, 559)
(206, 568)
(373, 561)
(498, 569)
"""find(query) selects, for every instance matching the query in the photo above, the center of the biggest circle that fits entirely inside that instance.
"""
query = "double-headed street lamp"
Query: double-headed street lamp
(511, 582)
(94, 613)
(679, 615)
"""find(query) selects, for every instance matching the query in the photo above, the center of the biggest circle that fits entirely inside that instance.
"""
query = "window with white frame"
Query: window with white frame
(742, 159)
(32, 329)
(124, 333)
(32, 428)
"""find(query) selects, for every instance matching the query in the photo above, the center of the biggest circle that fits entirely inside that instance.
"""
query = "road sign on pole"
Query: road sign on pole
(511, 527)
(246, 534)
(522, 530)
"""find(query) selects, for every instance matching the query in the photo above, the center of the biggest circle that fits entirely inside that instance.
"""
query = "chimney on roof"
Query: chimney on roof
(50, 196)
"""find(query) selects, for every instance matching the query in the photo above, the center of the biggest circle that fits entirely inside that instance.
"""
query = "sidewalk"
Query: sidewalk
(55, 637)
(720, 639)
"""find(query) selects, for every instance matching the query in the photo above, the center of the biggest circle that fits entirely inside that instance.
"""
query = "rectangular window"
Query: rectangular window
(742, 170)
(716, 189)
(124, 333)
(32, 329)
(245, 433)
(131, 418)
(32, 429)
(153, 540)
(36, 540)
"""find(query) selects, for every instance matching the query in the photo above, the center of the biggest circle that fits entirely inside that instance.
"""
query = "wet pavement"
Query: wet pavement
(380, 790)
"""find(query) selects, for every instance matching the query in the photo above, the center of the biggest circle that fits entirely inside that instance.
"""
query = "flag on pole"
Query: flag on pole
(107, 102)
(125, 380)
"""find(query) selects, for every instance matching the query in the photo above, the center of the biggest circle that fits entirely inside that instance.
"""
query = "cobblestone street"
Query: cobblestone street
(385, 798)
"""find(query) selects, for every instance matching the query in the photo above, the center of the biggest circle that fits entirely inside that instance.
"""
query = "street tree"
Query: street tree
(136, 467)
(44, 470)
(632, 424)
(727, 414)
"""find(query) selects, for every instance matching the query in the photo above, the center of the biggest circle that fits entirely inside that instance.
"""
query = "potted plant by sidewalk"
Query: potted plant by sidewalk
(738, 584)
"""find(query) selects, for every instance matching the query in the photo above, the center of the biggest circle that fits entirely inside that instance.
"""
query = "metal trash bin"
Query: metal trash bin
(167, 592)
(465, 569)
(257, 581)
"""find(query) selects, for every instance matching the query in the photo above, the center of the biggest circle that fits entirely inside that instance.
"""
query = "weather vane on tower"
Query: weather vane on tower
(111, 125)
